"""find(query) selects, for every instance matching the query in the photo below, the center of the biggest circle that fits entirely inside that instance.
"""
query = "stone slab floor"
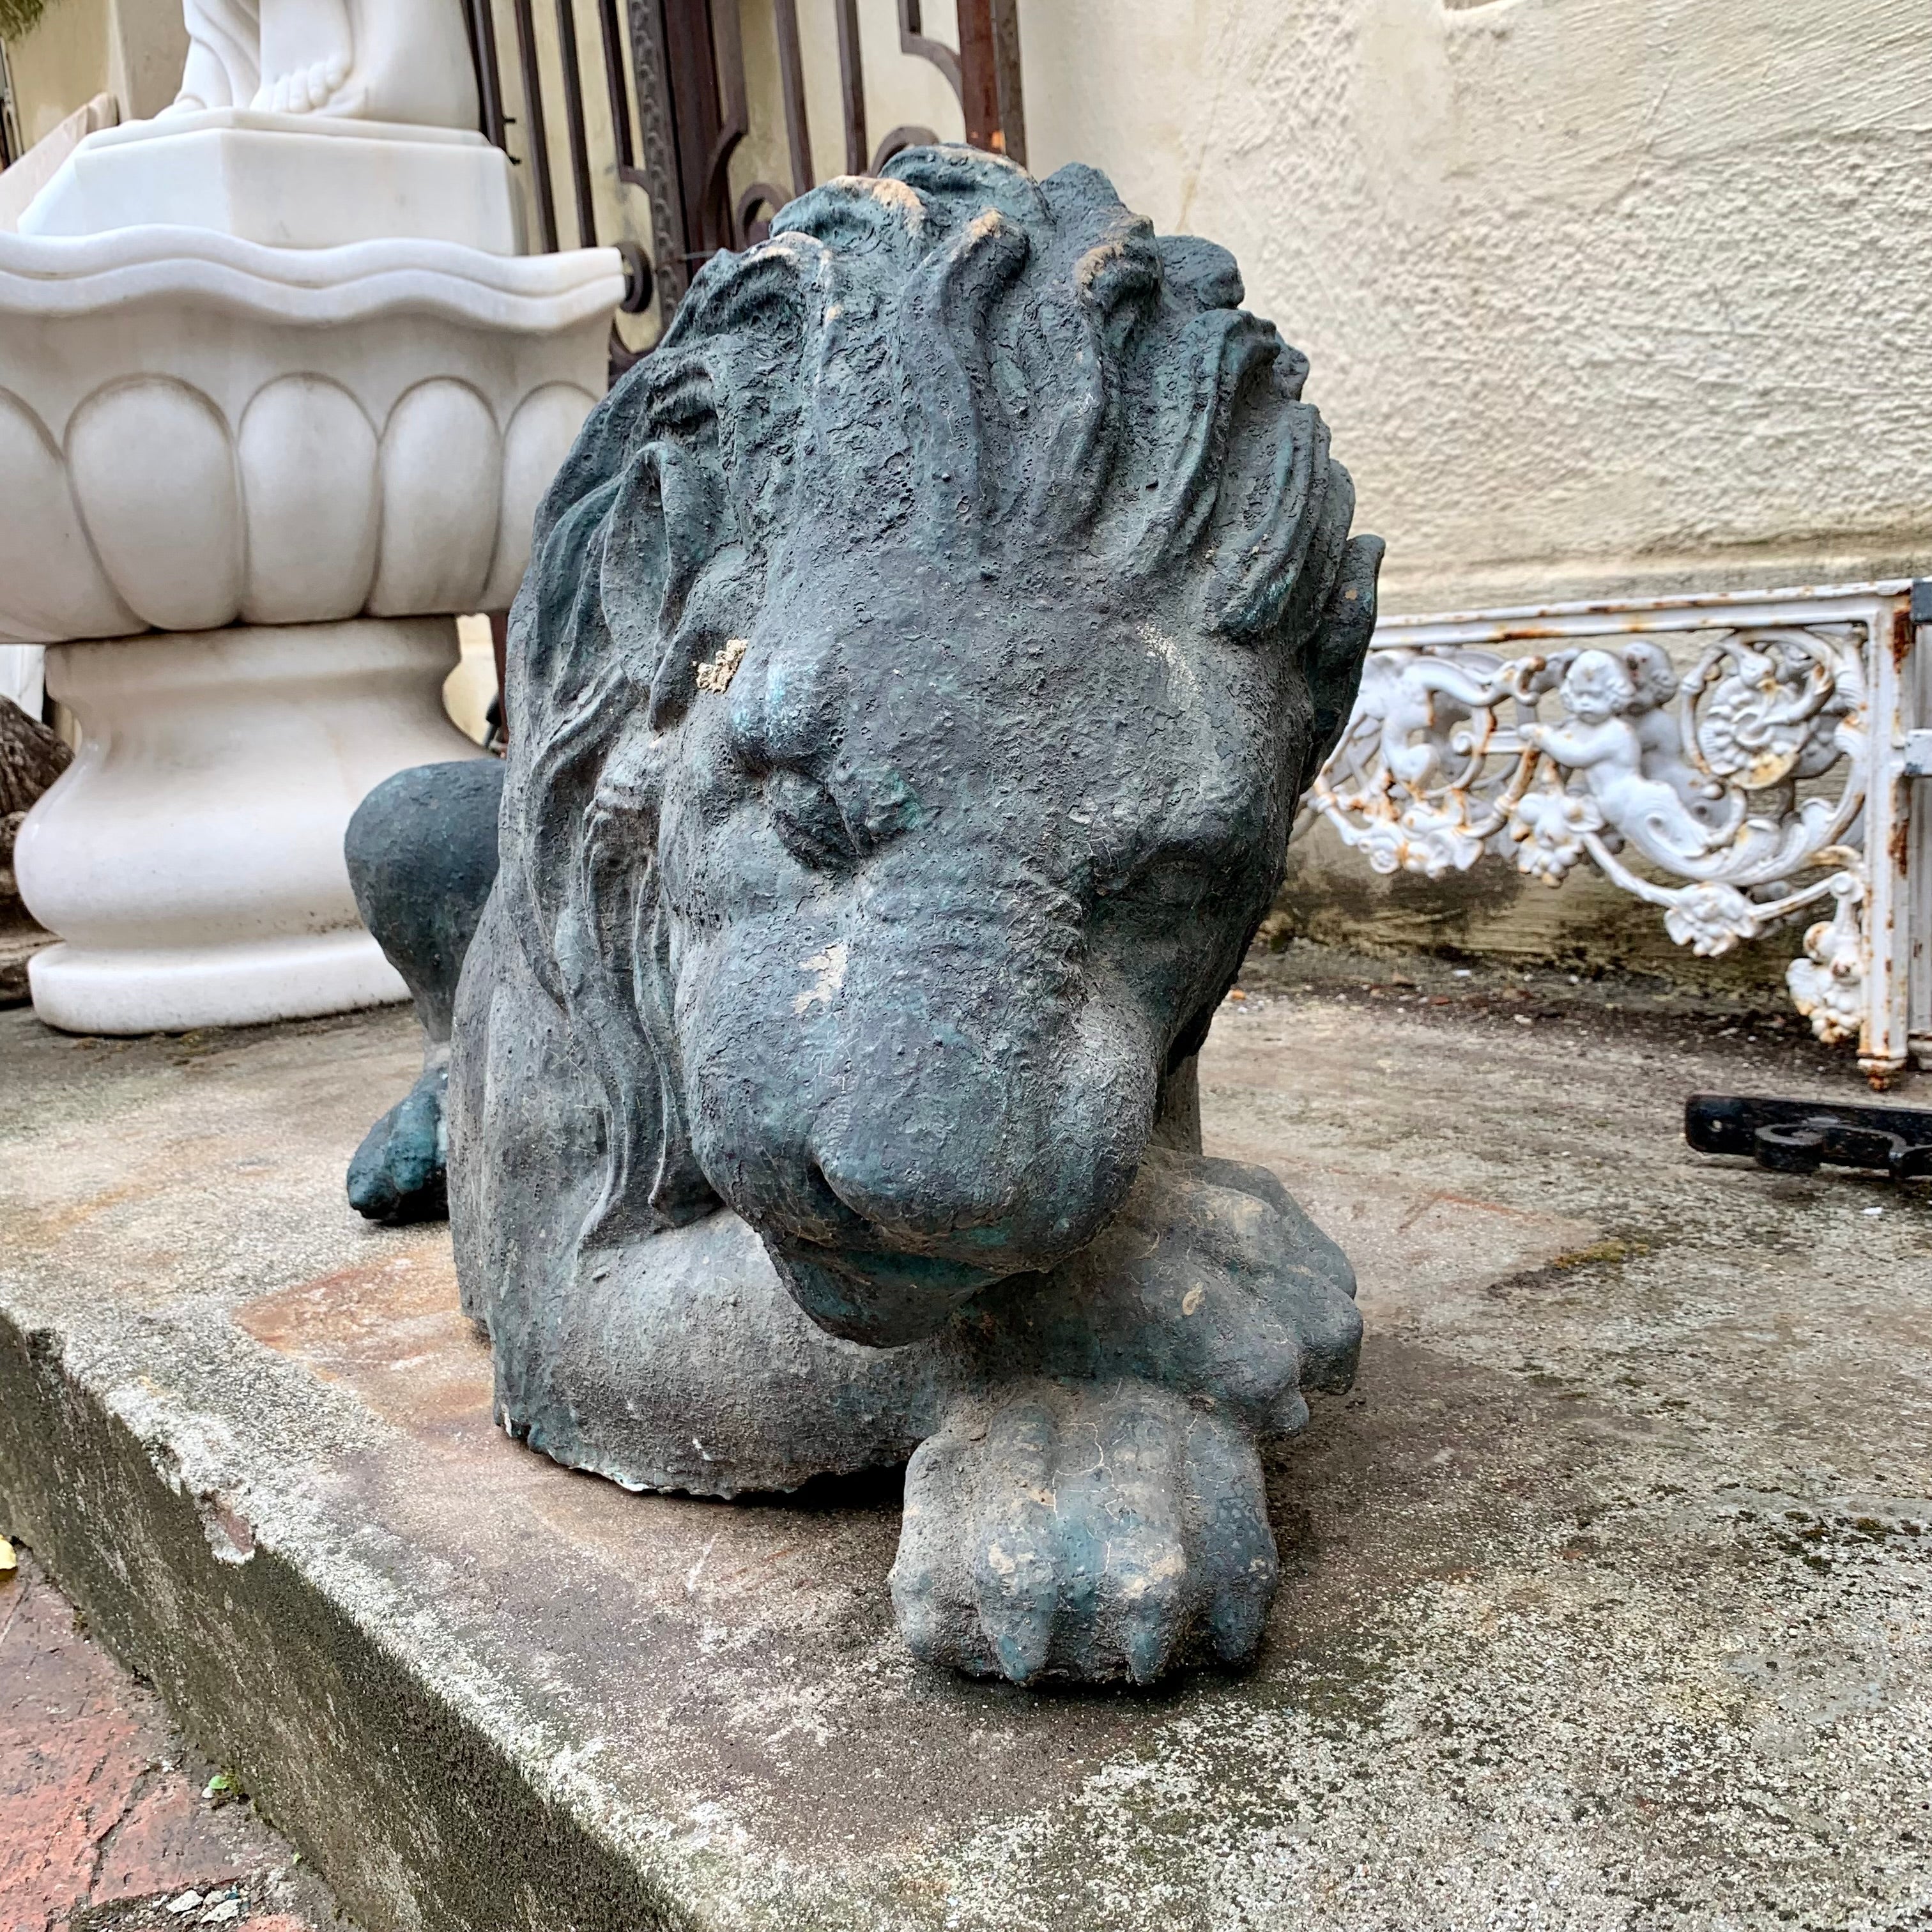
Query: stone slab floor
(1607, 1595)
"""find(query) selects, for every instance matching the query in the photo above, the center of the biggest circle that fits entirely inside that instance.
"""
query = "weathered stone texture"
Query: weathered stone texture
(1603, 1599)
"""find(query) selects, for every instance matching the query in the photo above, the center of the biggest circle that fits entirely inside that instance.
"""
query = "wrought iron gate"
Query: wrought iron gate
(672, 75)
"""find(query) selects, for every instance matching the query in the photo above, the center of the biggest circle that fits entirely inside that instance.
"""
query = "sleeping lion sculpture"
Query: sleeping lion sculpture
(921, 656)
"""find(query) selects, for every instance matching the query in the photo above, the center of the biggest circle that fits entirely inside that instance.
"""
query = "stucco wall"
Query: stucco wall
(1602, 295)
(130, 49)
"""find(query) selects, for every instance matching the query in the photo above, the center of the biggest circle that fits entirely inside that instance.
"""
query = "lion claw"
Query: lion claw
(1077, 1531)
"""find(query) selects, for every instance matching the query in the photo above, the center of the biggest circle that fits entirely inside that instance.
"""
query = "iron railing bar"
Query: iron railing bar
(734, 117)
(914, 40)
(978, 85)
(791, 73)
(1008, 89)
(896, 142)
(534, 136)
(852, 87)
(614, 62)
(691, 88)
(658, 137)
(489, 73)
(573, 108)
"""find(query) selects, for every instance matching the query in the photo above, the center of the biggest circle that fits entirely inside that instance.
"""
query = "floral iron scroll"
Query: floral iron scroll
(1747, 775)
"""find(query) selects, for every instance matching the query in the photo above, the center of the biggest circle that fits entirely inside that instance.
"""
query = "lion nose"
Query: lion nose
(878, 1178)
(988, 1184)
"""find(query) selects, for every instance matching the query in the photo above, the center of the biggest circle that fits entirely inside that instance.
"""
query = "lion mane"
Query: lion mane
(1003, 366)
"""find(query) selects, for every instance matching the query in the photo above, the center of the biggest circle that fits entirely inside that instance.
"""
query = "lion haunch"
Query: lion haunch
(922, 654)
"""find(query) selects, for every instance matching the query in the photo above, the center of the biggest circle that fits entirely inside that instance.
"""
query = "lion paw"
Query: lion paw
(398, 1172)
(1084, 1531)
(1210, 1281)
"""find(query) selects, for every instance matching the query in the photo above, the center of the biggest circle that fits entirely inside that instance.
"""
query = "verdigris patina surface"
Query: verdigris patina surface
(922, 654)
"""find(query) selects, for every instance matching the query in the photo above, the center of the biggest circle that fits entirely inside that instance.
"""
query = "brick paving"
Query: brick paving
(109, 1822)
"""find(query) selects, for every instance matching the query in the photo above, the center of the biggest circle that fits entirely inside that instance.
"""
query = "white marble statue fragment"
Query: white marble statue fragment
(403, 61)
(281, 394)
(1598, 740)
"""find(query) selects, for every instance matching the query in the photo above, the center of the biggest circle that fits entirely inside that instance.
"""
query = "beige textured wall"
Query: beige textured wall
(131, 48)
(61, 65)
(1602, 296)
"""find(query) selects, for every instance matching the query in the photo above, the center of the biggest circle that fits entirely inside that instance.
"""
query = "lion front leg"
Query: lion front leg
(1090, 1505)
(1083, 1530)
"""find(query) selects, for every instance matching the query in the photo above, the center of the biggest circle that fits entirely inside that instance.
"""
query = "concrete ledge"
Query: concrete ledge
(421, 1815)
(1605, 1595)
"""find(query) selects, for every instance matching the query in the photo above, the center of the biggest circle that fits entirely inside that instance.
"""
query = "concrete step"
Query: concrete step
(1607, 1585)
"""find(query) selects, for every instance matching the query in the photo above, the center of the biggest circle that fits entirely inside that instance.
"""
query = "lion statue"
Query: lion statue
(922, 654)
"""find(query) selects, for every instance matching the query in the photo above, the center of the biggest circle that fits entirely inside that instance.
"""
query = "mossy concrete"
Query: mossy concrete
(1606, 1593)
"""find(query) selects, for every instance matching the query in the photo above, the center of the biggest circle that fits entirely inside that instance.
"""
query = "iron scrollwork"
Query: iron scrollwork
(1730, 790)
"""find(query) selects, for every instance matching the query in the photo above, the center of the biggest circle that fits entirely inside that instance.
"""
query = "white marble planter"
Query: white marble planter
(277, 399)
(196, 430)
(190, 858)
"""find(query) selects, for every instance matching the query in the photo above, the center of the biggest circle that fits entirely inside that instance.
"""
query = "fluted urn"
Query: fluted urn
(249, 485)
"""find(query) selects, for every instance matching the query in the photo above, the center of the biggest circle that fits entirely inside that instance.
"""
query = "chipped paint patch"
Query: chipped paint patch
(829, 965)
(716, 673)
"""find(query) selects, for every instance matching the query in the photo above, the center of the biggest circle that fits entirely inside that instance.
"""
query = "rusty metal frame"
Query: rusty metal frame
(983, 72)
(657, 153)
(684, 60)
(1471, 739)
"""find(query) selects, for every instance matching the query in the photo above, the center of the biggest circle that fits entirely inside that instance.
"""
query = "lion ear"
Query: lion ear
(1201, 270)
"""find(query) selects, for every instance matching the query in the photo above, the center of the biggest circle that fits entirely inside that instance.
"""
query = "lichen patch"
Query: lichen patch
(829, 965)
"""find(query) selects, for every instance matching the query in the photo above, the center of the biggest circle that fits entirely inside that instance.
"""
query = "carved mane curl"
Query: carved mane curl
(848, 371)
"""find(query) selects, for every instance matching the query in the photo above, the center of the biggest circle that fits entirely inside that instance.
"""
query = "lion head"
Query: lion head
(921, 656)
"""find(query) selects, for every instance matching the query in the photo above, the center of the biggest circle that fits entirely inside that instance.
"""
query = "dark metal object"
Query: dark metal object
(851, 87)
(1801, 1136)
(573, 101)
(686, 60)
(489, 76)
(791, 70)
(657, 151)
(984, 75)
(1009, 134)
(536, 143)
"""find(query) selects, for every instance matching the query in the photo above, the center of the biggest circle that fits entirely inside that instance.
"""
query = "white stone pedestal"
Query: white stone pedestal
(190, 858)
(290, 180)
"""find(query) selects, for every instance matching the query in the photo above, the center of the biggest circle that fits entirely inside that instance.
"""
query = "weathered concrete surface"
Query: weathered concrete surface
(1606, 1598)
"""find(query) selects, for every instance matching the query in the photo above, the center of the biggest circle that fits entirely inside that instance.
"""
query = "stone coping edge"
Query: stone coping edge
(416, 1817)
(42, 276)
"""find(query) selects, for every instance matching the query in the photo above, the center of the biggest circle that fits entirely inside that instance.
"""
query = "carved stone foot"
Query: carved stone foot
(307, 89)
(1083, 1530)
